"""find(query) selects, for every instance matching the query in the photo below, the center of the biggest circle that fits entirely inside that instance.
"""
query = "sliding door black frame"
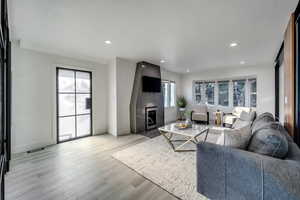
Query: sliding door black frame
(5, 96)
(278, 63)
(57, 104)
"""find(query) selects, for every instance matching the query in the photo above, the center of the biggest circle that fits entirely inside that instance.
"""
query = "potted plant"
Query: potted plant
(181, 103)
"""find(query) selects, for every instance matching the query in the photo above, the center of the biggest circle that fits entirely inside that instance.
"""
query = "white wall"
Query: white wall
(34, 102)
(265, 75)
(112, 98)
(121, 80)
(171, 113)
(125, 80)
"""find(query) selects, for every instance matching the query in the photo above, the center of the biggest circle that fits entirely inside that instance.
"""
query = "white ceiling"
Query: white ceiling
(192, 34)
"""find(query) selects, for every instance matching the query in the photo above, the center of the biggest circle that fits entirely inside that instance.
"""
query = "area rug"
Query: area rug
(173, 171)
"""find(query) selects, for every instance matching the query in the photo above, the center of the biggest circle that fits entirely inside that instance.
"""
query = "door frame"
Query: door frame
(57, 104)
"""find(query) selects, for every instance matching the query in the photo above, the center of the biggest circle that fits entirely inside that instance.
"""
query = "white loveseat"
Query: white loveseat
(230, 118)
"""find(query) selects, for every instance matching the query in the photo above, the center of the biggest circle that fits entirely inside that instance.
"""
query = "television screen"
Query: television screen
(151, 84)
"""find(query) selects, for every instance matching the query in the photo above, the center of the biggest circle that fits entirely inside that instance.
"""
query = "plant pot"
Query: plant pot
(181, 109)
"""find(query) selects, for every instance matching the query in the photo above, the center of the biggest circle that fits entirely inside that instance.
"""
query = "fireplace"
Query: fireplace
(143, 102)
(151, 117)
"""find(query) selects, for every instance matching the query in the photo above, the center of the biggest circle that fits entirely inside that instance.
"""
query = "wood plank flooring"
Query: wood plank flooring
(83, 170)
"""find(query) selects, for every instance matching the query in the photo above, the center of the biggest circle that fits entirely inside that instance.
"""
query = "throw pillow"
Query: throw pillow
(235, 138)
(269, 141)
(261, 121)
(245, 116)
(280, 128)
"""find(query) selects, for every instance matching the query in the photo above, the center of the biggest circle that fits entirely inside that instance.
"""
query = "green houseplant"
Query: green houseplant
(181, 102)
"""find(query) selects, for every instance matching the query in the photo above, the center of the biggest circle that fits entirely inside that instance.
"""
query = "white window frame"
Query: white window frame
(197, 93)
(229, 94)
(249, 91)
(168, 105)
(245, 89)
(230, 91)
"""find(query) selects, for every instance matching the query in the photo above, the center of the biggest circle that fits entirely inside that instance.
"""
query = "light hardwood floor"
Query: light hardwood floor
(83, 170)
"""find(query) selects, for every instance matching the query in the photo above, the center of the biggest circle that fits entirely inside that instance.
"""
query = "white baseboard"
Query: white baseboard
(28, 147)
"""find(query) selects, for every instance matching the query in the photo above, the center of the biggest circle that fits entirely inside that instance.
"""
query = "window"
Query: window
(210, 92)
(197, 92)
(169, 92)
(223, 93)
(252, 83)
(166, 93)
(173, 94)
(239, 93)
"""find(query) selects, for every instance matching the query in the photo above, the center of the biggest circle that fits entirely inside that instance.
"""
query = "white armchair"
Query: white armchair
(200, 113)
(230, 118)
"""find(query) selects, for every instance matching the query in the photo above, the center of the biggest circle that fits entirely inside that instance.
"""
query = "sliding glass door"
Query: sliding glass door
(74, 104)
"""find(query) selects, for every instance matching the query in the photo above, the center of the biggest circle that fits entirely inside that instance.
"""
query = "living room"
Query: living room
(149, 100)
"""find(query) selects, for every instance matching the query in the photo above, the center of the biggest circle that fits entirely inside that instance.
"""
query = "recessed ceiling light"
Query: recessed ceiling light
(233, 44)
(188, 70)
(162, 61)
(242, 62)
(107, 42)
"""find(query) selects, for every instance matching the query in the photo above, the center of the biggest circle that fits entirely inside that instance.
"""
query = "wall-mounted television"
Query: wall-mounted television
(151, 84)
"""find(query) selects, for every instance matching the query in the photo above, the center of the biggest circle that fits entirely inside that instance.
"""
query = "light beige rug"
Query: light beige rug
(173, 171)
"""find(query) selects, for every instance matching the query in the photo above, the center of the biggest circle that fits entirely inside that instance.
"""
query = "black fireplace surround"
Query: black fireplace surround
(151, 115)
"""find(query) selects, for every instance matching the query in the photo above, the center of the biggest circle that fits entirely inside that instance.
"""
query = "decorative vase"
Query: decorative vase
(188, 122)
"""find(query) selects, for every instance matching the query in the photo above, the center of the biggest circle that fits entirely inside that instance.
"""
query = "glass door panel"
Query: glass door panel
(66, 81)
(83, 125)
(83, 105)
(66, 104)
(83, 82)
(74, 98)
(66, 128)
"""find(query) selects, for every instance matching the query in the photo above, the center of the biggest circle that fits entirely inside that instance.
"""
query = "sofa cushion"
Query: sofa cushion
(238, 110)
(280, 128)
(236, 138)
(240, 124)
(229, 119)
(269, 141)
(248, 116)
(261, 121)
(293, 153)
(244, 116)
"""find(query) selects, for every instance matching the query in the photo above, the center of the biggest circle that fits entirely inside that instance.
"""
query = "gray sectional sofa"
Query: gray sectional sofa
(258, 172)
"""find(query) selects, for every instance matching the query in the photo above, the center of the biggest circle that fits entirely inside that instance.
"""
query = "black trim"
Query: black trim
(280, 56)
(297, 11)
(297, 79)
(277, 86)
(5, 96)
(75, 115)
(278, 63)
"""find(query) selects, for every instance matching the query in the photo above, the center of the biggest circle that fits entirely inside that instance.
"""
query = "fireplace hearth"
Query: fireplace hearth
(151, 117)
